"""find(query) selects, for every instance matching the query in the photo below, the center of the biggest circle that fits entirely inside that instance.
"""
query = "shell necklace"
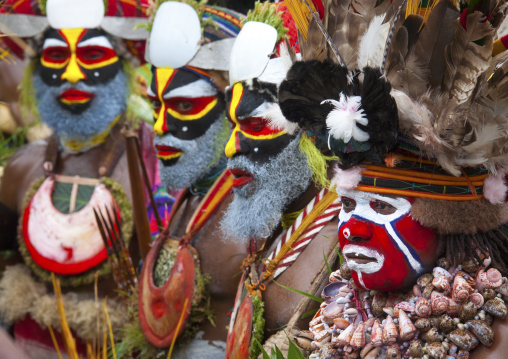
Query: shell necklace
(447, 314)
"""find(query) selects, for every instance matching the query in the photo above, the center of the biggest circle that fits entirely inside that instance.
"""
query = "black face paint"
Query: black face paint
(252, 137)
(184, 117)
(97, 64)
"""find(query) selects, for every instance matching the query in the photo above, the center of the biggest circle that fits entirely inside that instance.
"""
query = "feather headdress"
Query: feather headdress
(409, 82)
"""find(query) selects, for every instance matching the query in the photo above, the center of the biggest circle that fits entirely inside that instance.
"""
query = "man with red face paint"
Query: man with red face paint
(424, 224)
(79, 84)
(190, 263)
(280, 208)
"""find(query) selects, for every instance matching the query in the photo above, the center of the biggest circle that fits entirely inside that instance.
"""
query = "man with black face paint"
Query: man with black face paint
(187, 93)
(280, 208)
(78, 84)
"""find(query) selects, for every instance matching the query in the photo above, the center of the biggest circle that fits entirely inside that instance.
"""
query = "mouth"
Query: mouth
(241, 178)
(75, 97)
(167, 152)
(359, 258)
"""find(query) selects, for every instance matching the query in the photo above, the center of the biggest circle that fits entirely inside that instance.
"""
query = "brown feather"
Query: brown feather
(465, 60)
(413, 24)
(436, 34)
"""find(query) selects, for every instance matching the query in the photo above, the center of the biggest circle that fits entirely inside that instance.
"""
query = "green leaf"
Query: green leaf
(310, 313)
(263, 351)
(313, 297)
(279, 353)
(294, 352)
(326, 260)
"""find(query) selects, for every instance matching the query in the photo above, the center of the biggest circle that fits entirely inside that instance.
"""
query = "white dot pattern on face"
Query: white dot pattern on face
(185, 128)
(96, 74)
(54, 76)
(256, 149)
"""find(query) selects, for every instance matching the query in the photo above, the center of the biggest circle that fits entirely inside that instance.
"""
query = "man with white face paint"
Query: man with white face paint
(424, 223)
(190, 58)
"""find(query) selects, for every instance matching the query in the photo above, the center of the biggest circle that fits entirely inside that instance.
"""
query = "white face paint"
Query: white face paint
(366, 268)
(196, 89)
(363, 210)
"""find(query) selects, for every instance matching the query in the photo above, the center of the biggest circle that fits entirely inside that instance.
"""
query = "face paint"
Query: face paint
(385, 248)
(251, 136)
(74, 55)
(190, 125)
(185, 105)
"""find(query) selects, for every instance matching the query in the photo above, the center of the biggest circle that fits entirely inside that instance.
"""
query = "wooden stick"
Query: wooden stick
(138, 198)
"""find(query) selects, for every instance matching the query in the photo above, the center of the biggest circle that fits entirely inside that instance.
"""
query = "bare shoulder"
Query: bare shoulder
(499, 349)
(22, 169)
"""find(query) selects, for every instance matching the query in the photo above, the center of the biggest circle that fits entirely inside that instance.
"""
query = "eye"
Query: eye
(382, 207)
(256, 124)
(348, 204)
(93, 54)
(156, 104)
(56, 54)
(184, 106)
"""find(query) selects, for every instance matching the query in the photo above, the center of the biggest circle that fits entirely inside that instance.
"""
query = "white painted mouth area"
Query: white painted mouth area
(367, 268)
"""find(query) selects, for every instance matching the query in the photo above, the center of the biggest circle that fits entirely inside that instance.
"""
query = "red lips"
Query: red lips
(73, 96)
(241, 178)
(167, 150)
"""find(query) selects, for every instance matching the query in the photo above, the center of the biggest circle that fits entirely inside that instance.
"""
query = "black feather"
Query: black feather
(309, 83)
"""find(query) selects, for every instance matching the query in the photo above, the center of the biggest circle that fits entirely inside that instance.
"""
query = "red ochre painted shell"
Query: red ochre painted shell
(239, 337)
(160, 308)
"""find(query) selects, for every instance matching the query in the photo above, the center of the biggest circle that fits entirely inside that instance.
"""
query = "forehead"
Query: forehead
(165, 79)
(244, 97)
(363, 198)
(86, 34)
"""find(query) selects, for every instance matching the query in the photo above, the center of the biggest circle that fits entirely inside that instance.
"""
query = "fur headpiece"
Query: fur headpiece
(398, 87)
(413, 96)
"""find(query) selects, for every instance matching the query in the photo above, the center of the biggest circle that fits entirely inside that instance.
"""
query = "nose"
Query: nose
(233, 145)
(160, 124)
(73, 72)
(356, 230)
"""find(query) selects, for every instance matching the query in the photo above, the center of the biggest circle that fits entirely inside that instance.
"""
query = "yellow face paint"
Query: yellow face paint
(75, 58)
(73, 73)
(162, 78)
(243, 127)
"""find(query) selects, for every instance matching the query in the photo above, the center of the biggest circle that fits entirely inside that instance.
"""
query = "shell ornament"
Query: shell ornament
(445, 315)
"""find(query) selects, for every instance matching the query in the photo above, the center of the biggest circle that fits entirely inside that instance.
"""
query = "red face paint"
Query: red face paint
(384, 246)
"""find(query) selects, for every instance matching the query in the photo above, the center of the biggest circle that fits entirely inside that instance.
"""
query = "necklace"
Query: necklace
(448, 312)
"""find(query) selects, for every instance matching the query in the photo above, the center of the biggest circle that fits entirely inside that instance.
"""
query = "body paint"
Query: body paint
(251, 136)
(384, 251)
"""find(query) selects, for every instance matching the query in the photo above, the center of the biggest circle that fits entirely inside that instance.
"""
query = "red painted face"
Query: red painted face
(385, 248)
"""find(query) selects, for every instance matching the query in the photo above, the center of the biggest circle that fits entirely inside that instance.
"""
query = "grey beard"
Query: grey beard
(257, 207)
(198, 158)
(109, 102)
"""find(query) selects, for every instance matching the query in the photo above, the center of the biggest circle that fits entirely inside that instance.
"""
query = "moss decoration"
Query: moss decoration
(316, 161)
(133, 89)
(133, 343)
(199, 6)
(27, 95)
(258, 326)
(87, 277)
(267, 13)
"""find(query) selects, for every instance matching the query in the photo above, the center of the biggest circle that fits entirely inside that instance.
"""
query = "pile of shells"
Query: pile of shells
(448, 313)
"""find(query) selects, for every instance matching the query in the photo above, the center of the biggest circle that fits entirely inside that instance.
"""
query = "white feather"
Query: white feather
(372, 45)
(276, 120)
(343, 118)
